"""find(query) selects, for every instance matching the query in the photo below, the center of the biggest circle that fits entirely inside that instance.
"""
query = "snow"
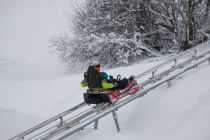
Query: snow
(34, 87)
(179, 112)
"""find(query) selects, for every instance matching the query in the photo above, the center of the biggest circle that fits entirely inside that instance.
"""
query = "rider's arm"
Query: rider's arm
(84, 83)
(106, 85)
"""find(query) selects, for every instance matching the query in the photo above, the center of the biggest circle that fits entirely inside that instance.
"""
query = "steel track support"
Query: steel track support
(96, 121)
(153, 74)
(196, 52)
(96, 124)
(169, 83)
(61, 121)
(115, 117)
(21, 137)
(175, 61)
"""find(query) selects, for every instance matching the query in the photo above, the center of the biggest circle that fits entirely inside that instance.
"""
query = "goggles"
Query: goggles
(97, 66)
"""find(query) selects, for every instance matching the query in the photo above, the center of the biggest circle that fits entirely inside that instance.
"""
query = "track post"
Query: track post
(116, 120)
(153, 74)
(195, 53)
(96, 124)
(21, 137)
(61, 121)
(169, 83)
(209, 61)
(96, 121)
(175, 61)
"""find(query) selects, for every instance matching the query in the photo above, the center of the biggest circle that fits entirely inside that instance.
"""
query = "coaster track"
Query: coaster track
(81, 115)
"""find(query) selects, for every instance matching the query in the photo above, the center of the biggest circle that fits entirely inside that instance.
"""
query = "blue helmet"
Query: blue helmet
(105, 75)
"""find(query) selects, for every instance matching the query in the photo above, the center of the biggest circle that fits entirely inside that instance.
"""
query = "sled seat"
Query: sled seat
(109, 96)
(96, 97)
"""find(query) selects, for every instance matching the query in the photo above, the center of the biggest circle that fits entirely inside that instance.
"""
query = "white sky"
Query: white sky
(27, 25)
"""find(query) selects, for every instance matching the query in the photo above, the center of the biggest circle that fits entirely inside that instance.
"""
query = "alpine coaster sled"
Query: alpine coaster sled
(110, 96)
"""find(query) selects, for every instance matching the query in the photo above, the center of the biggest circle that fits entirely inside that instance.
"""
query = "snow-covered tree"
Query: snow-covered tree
(206, 21)
(108, 30)
(119, 32)
(179, 23)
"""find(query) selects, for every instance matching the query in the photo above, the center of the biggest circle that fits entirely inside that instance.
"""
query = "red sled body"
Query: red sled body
(110, 96)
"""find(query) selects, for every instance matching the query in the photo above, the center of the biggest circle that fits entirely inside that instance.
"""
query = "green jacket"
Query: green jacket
(104, 83)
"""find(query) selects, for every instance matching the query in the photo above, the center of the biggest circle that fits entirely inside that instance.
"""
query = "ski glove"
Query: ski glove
(115, 84)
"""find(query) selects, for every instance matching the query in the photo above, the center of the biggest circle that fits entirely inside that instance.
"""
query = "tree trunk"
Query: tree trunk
(189, 27)
(191, 24)
(191, 21)
(207, 16)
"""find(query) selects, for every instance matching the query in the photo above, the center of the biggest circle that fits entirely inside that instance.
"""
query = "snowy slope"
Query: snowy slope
(179, 112)
(27, 68)
(33, 86)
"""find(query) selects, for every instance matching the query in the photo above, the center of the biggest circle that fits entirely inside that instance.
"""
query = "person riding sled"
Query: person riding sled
(97, 81)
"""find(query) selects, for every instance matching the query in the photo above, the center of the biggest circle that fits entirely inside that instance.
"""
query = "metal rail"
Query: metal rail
(81, 120)
(74, 122)
(178, 66)
(60, 124)
(117, 105)
(153, 69)
(78, 121)
(57, 117)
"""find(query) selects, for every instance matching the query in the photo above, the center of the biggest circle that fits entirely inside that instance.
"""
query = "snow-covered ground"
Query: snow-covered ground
(33, 86)
(179, 112)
